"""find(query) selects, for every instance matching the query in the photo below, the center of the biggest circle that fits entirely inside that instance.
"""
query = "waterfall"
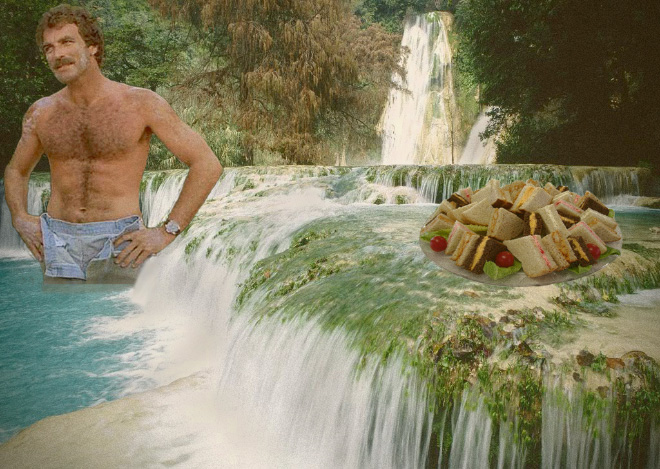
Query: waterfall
(302, 383)
(616, 186)
(11, 244)
(310, 394)
(476, 151)
(382, 184)
(417, 122)
(612, 185)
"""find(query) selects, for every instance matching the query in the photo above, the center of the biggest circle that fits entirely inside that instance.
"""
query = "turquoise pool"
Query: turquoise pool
(52, 358)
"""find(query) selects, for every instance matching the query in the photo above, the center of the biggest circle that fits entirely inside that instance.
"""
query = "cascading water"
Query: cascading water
(10, 243)
(294, 388)
(277, 374)
(616, 186)
(417, 125)
(477, 151)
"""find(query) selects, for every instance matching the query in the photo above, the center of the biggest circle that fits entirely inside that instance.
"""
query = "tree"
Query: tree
(571, 82)
(391, 13)
(24, 76)
(294, 68)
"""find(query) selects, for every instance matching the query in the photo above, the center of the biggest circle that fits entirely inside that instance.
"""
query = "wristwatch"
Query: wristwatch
(172, 227)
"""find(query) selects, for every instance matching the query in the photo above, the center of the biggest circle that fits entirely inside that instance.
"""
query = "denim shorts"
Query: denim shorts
(69, 248)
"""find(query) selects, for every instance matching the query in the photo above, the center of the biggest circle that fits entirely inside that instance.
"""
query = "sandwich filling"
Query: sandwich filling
(545, 258)
(458, 199)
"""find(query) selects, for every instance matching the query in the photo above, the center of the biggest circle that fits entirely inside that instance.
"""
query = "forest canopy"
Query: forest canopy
(268, 82)
(571, 82)
(302, 78)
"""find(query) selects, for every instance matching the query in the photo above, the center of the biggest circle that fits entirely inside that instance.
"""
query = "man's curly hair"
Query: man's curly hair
(88, 27)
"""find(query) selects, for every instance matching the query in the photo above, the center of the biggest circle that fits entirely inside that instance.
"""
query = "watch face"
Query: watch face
(172, 227)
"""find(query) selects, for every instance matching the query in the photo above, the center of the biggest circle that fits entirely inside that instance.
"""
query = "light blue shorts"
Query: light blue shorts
(69, 248)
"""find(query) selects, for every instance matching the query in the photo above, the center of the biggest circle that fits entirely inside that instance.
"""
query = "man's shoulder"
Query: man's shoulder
(43, 106)
(151, 105)
(142, 95)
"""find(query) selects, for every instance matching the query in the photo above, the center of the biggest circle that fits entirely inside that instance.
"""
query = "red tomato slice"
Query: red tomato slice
(438, 243)
(594, 250)
(504, 259)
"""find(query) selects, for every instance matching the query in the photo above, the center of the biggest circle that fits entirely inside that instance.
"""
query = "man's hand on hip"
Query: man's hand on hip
(142, 244)
(29, 229)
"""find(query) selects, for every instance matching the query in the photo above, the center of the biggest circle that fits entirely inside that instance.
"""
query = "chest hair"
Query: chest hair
(90, 134)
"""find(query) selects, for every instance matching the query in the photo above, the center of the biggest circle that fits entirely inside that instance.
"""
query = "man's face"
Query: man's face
(67, 55)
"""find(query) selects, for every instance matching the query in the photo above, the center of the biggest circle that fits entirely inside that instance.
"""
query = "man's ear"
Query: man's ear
(93, 50)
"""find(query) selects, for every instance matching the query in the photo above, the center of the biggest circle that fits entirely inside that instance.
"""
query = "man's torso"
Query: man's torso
(97, 154)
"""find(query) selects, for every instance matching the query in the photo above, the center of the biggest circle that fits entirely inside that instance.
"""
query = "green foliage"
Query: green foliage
(302, 80)
(192, 246)
(571, 82)
(142, 49)
(600, 363)
(390, 13)
(24, 77)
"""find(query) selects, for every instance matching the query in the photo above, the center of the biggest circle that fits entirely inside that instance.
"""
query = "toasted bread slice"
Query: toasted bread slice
(440, 222)
(531, 198)
(551, 219)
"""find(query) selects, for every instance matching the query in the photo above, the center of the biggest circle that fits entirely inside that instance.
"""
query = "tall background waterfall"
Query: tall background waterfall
(419, 120)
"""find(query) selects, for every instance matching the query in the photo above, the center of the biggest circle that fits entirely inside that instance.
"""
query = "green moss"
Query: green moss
(596, 293)
(599, 364)
(400, 199)
(45, 198)
(192, 245)
(439, 323)
(306, 237)
(317, 269)
(158, 179)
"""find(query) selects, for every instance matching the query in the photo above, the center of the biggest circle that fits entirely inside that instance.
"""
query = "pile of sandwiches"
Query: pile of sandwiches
(546, 228)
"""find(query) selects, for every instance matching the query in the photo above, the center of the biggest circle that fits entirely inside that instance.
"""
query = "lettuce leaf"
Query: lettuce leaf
(609, 252)
(432, 234)
(496, 272)
(578, 269)
(478, 229)
(611, 214)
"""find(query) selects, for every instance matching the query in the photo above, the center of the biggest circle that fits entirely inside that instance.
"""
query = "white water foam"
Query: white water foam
(404, 117)
(11, 244)
(477, 151)
(289, 389)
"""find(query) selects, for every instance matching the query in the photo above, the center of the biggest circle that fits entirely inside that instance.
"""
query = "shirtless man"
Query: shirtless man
(95, 133)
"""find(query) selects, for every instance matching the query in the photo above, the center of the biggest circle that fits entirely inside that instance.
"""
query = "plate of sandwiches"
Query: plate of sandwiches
(553, 234)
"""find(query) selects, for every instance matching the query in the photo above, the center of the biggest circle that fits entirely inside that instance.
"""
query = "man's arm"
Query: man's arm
(17, 177)
(204, 170)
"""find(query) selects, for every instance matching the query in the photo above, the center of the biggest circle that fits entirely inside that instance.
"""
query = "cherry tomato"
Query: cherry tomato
(438, 243)
(504, 259)
(594, 250)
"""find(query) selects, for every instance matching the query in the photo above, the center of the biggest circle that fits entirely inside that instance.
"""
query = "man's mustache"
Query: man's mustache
(63, 61)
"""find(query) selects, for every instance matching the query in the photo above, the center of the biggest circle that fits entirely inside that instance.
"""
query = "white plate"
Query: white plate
(519, 279)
